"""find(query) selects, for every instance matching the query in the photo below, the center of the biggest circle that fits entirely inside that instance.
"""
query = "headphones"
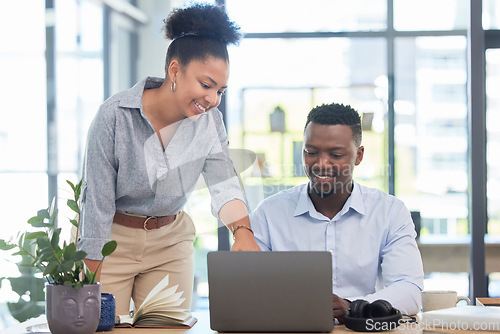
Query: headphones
(363, 316)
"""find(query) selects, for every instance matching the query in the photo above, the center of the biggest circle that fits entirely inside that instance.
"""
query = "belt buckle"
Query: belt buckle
(146, 222)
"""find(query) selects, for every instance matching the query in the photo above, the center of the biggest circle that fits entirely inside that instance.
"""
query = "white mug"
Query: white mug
(440, 299)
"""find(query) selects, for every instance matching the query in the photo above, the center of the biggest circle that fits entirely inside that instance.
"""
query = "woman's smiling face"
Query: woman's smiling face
(200, 84)
(329, 157)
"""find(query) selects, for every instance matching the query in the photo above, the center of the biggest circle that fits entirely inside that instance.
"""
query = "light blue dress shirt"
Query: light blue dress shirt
(372, 242)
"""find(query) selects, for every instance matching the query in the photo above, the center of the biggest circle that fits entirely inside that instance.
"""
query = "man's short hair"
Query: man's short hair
(337, 114)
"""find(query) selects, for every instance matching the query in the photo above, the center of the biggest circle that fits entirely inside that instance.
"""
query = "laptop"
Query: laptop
(270, 291)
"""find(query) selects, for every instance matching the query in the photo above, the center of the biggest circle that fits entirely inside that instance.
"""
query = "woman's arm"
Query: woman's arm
(228, 199)
(234, 215)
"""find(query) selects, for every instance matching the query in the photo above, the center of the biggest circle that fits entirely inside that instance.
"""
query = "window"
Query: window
(282, 16)
(294, 64)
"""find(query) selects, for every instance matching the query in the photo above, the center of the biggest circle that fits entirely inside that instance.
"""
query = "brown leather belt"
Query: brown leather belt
(147, 223)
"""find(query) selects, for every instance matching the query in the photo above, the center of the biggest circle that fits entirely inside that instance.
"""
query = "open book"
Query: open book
(159, 309)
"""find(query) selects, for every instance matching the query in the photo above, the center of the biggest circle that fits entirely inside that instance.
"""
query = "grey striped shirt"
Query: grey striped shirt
(126, 169)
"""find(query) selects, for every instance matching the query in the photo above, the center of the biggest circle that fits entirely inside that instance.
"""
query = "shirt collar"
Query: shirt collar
(355, 201)
(133, 98)
(304, 203)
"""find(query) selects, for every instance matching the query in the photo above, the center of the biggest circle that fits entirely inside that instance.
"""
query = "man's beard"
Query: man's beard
(320, 192)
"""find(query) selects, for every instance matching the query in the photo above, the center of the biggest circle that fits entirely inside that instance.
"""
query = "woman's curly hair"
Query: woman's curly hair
(199, 31)
(202, 20)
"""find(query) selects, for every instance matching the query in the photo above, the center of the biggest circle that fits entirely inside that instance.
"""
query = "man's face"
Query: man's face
(329, 157)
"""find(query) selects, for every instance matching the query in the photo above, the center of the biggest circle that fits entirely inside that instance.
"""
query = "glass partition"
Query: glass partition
(23, 130)
(493, 171)
(491, 14)
(427, 15)
(292, 77)
(280, 16)
(431, 152)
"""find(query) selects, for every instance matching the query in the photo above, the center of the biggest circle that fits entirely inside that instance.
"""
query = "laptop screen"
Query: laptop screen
(270, 291)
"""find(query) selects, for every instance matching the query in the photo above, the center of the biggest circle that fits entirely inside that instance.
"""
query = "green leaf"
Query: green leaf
(46, 255)
(43, 243)
(5, 245)
(91, 277)
(59, 252)
(54, 241)
(69, 251)
(109, 248)
(41, 224)
(78, 256)
(70, 184)
(34, 235)
(73, 206)
(49, 269)
(78, 285)
(22, 310)
(78, 190)
(53, 216)
(65, 266)
(44, 214)
(35, 220)
(74, 222)
(20, 252)
(77, 270)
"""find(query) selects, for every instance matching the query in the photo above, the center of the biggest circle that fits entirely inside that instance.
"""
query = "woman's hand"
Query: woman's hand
(244, 241)
(234, 215)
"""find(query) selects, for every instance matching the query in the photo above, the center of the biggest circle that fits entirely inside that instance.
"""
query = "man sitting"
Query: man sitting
(369, 233)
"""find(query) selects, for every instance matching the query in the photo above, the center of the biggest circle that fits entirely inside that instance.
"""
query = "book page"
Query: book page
(161, 307)
(125, 319)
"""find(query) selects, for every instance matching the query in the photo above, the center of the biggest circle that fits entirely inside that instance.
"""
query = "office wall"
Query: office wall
(152, 44)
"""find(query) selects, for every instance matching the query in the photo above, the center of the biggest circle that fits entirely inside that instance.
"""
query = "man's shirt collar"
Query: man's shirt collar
(305, 204)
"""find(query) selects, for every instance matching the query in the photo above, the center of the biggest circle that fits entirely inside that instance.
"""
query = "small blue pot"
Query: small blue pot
(108, 312)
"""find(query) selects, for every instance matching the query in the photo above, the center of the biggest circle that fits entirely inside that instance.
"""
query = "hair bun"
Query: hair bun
(203, 20)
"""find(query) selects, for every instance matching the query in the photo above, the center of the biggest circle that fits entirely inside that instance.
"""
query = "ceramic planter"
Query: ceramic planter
(74, 311)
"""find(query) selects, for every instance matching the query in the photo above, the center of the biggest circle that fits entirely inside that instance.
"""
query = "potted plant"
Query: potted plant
(72, 292)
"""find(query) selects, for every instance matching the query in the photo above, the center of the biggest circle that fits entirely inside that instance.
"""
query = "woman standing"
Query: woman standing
(147, 147)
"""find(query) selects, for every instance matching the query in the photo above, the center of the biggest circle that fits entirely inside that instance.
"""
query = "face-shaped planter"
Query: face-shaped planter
(70, 310)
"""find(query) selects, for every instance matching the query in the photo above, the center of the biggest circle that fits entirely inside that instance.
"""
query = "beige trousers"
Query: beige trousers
(143, 258)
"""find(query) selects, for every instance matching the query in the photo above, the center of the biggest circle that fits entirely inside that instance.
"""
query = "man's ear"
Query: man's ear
(173, 69)
(359, 155)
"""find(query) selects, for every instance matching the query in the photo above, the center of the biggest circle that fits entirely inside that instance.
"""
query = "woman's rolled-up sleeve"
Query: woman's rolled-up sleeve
(219, 173)
(98, 184)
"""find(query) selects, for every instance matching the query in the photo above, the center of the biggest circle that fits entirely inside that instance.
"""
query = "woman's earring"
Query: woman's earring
(172, 86)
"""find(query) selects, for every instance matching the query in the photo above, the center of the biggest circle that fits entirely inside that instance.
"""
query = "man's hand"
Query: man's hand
(244, 241)
(340, 307)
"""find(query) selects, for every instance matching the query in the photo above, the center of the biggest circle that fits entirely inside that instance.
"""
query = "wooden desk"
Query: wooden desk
(203, 327)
